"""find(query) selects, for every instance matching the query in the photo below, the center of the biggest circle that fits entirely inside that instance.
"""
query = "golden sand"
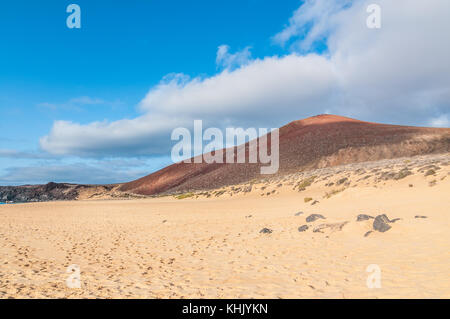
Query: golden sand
(211, 247)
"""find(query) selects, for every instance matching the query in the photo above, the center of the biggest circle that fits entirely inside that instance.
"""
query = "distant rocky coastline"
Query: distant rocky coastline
(60, 192)
(38, 193)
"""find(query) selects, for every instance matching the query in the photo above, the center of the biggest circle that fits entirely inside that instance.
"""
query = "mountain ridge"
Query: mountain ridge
(320, 141)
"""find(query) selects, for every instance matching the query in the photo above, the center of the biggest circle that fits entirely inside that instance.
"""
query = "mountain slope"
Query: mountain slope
(319, 141)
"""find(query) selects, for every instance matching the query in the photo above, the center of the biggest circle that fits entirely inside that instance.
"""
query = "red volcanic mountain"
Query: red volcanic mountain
(315, 142)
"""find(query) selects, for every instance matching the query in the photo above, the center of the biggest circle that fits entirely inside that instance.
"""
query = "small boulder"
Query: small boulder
(313, 217)
(303, 228)
(299, 213)
(266, 231)
(332, 227)
(381, 223)
(362, 217)
(419, 216)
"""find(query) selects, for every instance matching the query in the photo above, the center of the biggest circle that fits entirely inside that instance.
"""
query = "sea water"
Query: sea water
(1, 203)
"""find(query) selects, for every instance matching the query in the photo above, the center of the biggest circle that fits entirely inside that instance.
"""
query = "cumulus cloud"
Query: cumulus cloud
(441, 121)
(227, 60)
(129, 137)
(397, 74)
(312, 22)
(253, 90)
(249, 92)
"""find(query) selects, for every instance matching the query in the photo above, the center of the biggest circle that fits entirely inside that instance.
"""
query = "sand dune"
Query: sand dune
(210, 245)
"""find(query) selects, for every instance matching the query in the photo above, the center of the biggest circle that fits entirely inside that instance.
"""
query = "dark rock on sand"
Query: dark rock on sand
(303, 228)
(381, 223)
(314, 202)
(266, 231)
(332, 227)
(362, 217)
(368, 233)
(299, 213)
(39, 193)
(313, 217)
(419, 216)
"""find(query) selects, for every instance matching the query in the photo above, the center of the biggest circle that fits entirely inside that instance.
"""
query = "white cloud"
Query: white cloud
(313, 21)
(248, 92)
(254, 89)
(441, 121)
(397, 74)
(128, 137)
(227, 60)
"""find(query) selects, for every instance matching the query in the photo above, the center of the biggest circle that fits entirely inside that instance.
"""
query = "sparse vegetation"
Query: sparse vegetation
(430, 172)
(395, 176)
(305, 183)
(308, 199)
(333, 192)
(402, 174)
(220, 193)
(185, 195)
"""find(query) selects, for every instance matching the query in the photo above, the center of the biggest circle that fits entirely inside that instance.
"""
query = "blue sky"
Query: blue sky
(122, 49)
(65, 93)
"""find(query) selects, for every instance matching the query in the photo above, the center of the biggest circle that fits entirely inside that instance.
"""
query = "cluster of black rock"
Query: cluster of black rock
(381, 223)
(38, 193)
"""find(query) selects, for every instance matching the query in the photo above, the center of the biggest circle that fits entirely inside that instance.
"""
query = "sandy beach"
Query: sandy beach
(210, 245)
